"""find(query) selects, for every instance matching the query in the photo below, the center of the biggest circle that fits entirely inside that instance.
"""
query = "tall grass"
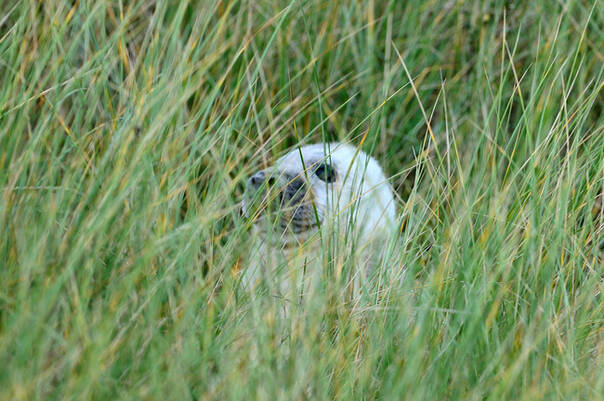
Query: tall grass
(128, 128)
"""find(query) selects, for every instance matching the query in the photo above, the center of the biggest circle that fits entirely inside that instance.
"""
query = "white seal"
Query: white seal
(313, 192)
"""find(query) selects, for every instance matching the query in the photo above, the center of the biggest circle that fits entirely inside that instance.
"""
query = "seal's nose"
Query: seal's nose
(258, 179)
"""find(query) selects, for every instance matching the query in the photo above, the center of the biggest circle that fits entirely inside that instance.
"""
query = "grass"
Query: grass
(128, 129)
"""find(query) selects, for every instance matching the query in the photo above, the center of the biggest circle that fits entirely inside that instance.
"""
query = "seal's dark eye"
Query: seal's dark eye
(325, 172)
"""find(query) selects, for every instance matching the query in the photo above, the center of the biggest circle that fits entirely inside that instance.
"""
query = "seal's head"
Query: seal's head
(320, 186)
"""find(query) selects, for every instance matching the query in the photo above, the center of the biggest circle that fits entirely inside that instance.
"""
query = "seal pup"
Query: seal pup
(314, 194)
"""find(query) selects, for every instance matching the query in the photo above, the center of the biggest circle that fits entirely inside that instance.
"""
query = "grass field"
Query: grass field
(128, 130)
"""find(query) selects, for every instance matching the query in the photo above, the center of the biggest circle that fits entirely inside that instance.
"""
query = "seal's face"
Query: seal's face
(293, 194)
(315, 186)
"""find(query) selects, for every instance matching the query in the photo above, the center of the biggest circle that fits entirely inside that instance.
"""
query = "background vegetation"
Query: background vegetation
(128, 128)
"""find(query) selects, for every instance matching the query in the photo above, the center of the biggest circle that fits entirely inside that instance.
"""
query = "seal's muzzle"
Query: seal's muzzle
(285, 199)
